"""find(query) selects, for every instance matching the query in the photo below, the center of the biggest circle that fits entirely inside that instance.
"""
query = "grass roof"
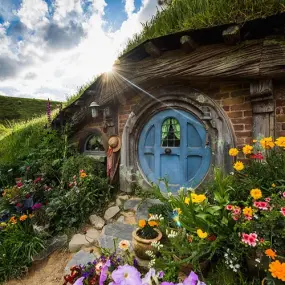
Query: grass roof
(196, 14)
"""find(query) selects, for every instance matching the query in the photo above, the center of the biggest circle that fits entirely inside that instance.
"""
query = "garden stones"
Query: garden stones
(80, 240)
(111, 212)
(82, 257)
(97, 222)
(132, 204)
(142, 210)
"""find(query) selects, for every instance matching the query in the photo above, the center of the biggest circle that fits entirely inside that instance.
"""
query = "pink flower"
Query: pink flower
(250, 239)
(70, 184)
(231, 207)
(81, 171)
(37, 180)
(283, 194)
(19, 184)
(248, 217)
(237, 210)
(261, 240)
(282, 211)
(261, 205)
(74, 177)
(267, 199)
(235, 217)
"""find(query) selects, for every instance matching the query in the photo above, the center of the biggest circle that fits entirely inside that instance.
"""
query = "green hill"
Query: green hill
(22, 109)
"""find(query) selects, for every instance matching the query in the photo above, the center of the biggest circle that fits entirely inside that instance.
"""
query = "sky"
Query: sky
(49, 48)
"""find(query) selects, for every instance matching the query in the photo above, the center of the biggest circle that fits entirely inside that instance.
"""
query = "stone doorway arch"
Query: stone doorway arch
(219, 130)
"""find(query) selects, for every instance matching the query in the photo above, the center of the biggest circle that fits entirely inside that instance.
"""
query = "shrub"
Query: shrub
(75, 163)
(19, 243)
(71, 207)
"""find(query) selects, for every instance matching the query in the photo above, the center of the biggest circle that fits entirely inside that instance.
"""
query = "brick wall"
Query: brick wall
(280, 109)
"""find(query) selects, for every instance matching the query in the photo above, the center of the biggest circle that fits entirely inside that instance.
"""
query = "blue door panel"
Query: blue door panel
(187, 162)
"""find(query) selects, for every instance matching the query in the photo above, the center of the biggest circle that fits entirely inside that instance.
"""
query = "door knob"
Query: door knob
(168, 151)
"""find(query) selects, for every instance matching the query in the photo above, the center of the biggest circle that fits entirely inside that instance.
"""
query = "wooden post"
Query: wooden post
(152, 49)
(188, 44)
(232, 35)
(261, 94)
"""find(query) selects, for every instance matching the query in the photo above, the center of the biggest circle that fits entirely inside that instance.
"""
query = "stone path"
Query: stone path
(119, 221)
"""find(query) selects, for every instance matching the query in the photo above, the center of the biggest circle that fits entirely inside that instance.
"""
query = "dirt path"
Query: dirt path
(46, 272)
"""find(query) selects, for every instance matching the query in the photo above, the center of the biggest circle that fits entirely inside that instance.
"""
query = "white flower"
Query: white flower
(231, 173)
(150, 253)
(181, 190)
(156, 244)
(169, 194)
(257, 260)
(151, 263)
(124, 245)
(190, 189)
(172, 234)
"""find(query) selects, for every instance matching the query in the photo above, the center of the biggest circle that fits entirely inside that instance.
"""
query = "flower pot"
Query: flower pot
(141, 245)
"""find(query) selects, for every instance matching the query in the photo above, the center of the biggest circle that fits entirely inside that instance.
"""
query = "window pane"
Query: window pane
(94, 143)
(170, 132)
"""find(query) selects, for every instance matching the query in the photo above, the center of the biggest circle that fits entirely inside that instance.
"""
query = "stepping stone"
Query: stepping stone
(79, 240)
(132, 204)
(82, 257)
(97, 222)
(121, 219)
(142, 211)
(116, 231)
(111, 212)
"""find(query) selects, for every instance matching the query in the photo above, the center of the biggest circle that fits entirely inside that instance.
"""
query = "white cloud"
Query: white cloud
(33, 12)
(39, 68)
(129, 7)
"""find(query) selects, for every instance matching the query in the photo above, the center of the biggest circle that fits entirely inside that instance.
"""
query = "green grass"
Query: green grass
(195, 14)
(13, 109)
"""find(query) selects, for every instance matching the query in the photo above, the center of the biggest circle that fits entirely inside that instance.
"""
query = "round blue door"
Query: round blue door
(172, 146)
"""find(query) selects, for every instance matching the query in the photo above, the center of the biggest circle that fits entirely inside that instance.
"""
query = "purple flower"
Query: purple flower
(161, 274)
(37, 206)
(104, 272)
(79, 281)
(167, 283)
(126, 275)
(193, 279)
(147, 279)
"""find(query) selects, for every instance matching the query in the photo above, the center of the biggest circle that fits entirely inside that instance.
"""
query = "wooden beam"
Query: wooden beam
(152, 49)
(188, 44)
(231, 35)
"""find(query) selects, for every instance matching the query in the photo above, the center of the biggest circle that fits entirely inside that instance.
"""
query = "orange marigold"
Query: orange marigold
(277, 269)
(13, 220)
(153, 223)
(23, 218)
(83, 174)
(270, 253)
(142, 223)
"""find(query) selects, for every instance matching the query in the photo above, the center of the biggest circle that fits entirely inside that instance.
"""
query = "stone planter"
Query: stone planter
(141, 245)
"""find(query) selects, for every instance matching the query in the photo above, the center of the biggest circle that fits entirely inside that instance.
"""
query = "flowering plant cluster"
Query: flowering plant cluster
(147, 228)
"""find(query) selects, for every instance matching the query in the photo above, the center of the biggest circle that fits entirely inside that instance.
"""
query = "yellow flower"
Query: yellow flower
(142, 223)
(201, 234)
(153, 223)
(256, 193)
(273, 185)
(178, 210)
(247, 149)
(277, 270)
(233, 152)
(83, 174)
(270, 253)
(23, 218)
(247, 211)
(187, 200)
(124, 245)
(267, 143)
(238, 166)
(3, 225)
(197, 198)
(280, 142)
(254, 141)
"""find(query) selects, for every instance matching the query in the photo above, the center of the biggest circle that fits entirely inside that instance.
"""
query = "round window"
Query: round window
(94, 143)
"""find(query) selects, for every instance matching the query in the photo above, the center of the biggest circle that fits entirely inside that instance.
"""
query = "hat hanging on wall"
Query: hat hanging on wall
(114, 143)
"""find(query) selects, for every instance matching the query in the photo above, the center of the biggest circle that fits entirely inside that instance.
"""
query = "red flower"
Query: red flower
(19, 184)
(261, 240)
(229, 207)
(37, 180)
(212, 238)
(28, 196)
(257, 156)
(19, 205)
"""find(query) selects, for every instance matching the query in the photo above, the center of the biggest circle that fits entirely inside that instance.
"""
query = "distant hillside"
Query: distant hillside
(22, 109)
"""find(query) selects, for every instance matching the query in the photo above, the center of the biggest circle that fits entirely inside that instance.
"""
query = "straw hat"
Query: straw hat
(115, 143)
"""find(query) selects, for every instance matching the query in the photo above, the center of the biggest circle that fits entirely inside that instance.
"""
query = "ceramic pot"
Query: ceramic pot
(141, 245)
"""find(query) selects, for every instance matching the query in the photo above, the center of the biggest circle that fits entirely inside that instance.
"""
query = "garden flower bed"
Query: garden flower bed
(231, 231)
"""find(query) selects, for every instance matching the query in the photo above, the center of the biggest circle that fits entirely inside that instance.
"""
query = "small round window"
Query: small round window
(170, 133)
(94, 143)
